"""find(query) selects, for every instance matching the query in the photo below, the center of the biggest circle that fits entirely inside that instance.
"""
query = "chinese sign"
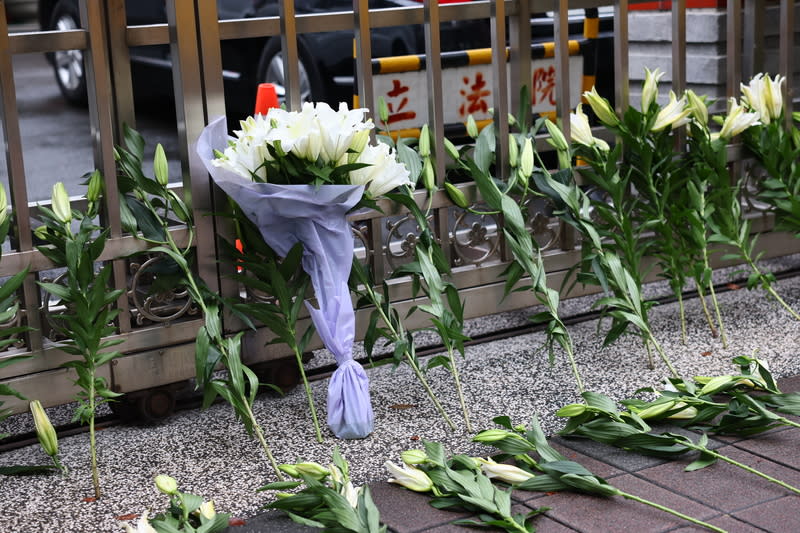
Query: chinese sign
(467, 91)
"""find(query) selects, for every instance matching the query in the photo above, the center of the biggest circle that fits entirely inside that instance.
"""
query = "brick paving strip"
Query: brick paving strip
(721, 494)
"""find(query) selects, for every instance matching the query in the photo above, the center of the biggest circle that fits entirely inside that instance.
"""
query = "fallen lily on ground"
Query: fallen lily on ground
(553, 472)
(598, 419)
(461, 482)
(754, 401)
(327, 498)
(187, 513)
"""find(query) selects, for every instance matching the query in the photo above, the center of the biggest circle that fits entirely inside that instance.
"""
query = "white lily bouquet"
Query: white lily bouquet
(296, 175)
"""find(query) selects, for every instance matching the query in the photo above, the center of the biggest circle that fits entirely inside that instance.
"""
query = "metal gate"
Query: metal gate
(159, 333)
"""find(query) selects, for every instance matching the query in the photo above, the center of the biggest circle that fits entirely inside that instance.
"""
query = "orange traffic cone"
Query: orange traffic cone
(266, 98)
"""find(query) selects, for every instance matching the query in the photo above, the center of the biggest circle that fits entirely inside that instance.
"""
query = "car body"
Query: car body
(326, 58)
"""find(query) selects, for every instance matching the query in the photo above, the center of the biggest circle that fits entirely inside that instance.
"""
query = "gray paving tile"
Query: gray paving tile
(780, 446)
(733, 488)
(405, 511)
(777, 516)
(728, 523)
(620, 459)
(597, 514)
(272, 521)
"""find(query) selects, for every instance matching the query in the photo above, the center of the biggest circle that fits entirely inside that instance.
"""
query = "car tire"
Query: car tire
(270, 70)
(68, 65)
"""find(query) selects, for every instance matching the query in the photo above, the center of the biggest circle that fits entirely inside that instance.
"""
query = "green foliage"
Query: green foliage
(331, 503)
(554, 472)
(155, 205)
(188, 513)
(86, 320)
(459, 484)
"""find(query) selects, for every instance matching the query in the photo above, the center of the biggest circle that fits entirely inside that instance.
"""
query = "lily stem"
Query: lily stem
(310, 396)
(458, 388)
(703, 449)
(635, 498)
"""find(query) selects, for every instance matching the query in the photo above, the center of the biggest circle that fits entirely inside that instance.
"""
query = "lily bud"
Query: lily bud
(61, 206)
(507, 473)
(44, 429)
(95, 187)
(655, 410)
(526, 158)
(3, 205)
(714, 385)
(698, 108)
(409, 477)
(424, 145)
(166, 484)
(451, 149)
(557, 139)
(428, 177)
(383, 110)
(313, 470)
(207, 510)
(492, 435)
(687, 413)
(414, 457)
(290, 470)
(513, 151)
(456, 196)
(350, 494)
(360, 139)
(472, 127)
(160, 167)
(601, 108)
(573, 409)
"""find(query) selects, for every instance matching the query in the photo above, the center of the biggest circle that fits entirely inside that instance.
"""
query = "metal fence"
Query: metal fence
(159, 330)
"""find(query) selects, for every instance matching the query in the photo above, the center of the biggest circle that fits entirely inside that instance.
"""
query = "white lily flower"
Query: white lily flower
(737, 120)
(207, 510)
(350, 494)
(581, 131)
(409, 477)
(143, 526)
(673, 115)
(650, 87)
(337, 129)
(507, 473)
(764, 96)
(60, 203)
(383, 173)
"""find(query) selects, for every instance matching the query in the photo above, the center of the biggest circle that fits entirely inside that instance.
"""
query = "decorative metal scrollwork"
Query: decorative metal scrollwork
(754, 174)
(475, 237)
(159, 306)
(401, 239)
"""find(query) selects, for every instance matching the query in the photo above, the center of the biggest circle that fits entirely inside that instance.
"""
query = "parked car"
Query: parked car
(326, 58)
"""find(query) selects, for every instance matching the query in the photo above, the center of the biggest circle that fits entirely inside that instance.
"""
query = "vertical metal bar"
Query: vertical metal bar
(18, 191)
(289, 53)
(679, 46)
(433, 73)
(561, 38)
(120, 66)
(214, 91)
(786, 56)
(753, 38)
(363, 54)
(500, 85)
(101, 119)
(191, 115)
(520, 56)
(622, 85)
(734, 48)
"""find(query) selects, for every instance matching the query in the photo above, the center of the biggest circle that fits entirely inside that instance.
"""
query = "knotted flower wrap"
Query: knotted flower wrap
(316, 217)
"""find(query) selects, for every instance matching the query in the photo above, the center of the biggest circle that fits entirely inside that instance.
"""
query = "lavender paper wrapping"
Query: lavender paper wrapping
(316, 217)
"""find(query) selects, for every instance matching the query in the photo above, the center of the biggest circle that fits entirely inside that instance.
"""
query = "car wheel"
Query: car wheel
(270, 70)
(68, 64)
